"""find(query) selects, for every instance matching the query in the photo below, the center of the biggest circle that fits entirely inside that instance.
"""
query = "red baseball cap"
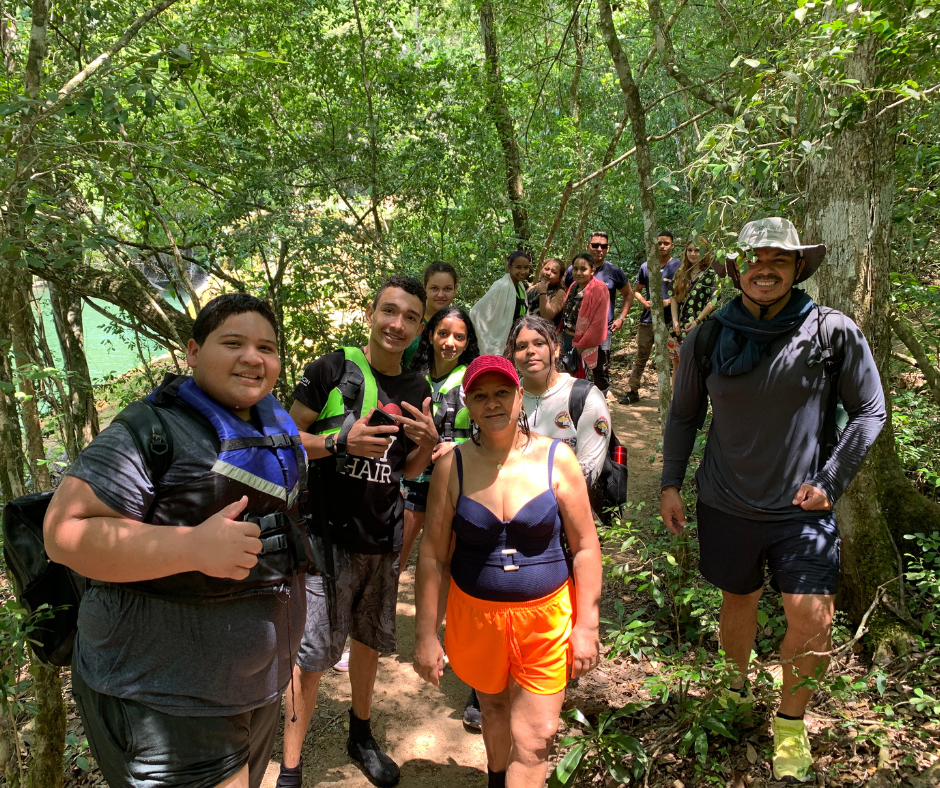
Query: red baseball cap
(483, 364)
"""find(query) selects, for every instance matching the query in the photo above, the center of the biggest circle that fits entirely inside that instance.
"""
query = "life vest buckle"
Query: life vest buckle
(273, 544)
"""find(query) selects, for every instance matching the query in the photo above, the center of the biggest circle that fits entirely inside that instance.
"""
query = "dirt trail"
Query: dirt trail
(421, 726)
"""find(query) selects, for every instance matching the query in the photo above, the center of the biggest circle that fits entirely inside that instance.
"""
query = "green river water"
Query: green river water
(108, 353)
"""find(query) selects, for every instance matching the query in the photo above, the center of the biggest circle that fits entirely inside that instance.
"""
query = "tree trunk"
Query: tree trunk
(11, 464)
(26, 357)
(849, 203)
(505, 130)
(48, 747)
(129, 290)
(67, 314)
(644, 168)
(590, 201)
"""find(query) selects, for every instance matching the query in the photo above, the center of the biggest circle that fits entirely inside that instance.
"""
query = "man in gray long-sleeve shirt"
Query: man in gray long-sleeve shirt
(768, 481)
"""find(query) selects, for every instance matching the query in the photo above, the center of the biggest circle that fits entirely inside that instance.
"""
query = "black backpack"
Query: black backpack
(611, 483)
(831, 336)
(39, 582)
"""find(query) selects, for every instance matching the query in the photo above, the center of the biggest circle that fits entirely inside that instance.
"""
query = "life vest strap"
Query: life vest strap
(278, 441)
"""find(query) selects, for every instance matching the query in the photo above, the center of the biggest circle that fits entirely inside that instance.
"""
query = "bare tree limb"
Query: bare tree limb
(903, 332)
(667, 53)
(561, 46)
(570, 187)
(103, 59)
(65, 92)
(373, 137)
(652, 53)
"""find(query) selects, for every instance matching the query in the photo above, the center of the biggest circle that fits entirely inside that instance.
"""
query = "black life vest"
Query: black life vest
(269, 466)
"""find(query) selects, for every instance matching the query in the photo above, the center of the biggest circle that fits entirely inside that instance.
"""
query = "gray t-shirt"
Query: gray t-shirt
(764, 440)
(201, 660)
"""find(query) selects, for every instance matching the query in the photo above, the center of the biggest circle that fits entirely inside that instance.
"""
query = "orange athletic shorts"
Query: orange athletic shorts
(487, 642)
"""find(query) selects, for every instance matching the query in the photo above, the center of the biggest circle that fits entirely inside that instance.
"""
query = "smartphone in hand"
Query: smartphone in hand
(380, 418)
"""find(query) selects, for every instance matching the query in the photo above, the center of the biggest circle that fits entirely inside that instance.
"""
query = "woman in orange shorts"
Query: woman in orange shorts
(518, 623)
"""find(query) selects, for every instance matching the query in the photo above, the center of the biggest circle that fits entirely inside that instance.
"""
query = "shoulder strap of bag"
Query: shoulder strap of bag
(831, 335)
(705, 341)
(151, 436)
(577, 398)
(153, 440)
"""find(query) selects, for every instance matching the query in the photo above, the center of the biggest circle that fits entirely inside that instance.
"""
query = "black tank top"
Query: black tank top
(514, 561)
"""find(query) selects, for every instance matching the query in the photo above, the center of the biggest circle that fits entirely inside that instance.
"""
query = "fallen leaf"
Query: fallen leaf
(738, 779)
(751, 753)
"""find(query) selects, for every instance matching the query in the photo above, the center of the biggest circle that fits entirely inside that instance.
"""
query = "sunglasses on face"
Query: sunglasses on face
(600, 246)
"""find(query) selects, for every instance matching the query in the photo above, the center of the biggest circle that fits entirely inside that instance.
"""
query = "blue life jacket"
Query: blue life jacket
(267, 465)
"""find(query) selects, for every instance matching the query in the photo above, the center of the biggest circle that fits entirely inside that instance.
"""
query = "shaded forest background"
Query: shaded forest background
(153, 156)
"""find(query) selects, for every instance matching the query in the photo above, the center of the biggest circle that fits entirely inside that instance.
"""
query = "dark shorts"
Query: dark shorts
(416, 495)
(802, 555)
(366, 604)
(139, 747)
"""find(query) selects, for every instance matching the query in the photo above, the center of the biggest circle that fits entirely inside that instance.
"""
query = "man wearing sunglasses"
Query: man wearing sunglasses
(617, 282)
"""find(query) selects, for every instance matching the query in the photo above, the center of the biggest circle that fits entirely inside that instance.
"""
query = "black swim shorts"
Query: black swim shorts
(139, 747)
(416, 495)
(366, 604)
(802, 555)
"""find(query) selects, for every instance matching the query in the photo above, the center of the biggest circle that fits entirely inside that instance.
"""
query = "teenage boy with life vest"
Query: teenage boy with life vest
(774, 464)
(359, 469)
(190, 625)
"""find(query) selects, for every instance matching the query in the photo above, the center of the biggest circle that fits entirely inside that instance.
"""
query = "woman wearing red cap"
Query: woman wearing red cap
(522, 616)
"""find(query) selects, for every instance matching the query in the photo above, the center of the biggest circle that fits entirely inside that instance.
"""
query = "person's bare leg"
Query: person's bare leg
(299, 703)
(737, 630)
(496, 731)
(809, 628)
(363, 665)
(414, 522)
(533, 720)
(237, 780)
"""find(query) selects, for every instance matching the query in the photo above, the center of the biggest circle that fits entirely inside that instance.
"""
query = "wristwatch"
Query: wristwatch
(330, 444)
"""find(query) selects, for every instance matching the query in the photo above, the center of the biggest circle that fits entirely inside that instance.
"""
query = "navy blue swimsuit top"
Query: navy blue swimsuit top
(514, 561)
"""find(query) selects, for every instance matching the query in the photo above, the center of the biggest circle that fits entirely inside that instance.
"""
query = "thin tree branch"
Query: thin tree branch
(104, 58)
(903, 332)
(667, 53)
(652, 53)
(561, 46)
(570, 187)
(115, 319)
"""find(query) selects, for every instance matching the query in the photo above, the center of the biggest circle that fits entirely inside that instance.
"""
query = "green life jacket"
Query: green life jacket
(450, 417)
(353, 396)
(520, 301)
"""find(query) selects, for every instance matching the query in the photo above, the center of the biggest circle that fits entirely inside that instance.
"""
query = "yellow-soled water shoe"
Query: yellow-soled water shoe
(793, 759)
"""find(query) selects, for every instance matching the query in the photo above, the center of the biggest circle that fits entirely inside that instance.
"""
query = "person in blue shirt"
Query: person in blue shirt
(617, 282)
(644, 335)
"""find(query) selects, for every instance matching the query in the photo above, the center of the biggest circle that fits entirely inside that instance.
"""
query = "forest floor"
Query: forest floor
(854, 741)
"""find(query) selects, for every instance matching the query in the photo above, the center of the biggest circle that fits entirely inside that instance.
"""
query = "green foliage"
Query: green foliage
(923, 575)
(601, 746)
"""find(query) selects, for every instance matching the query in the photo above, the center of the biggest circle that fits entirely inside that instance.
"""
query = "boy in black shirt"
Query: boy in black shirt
(363, 512)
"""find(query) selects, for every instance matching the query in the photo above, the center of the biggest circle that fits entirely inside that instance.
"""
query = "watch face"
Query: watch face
(330, 444)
